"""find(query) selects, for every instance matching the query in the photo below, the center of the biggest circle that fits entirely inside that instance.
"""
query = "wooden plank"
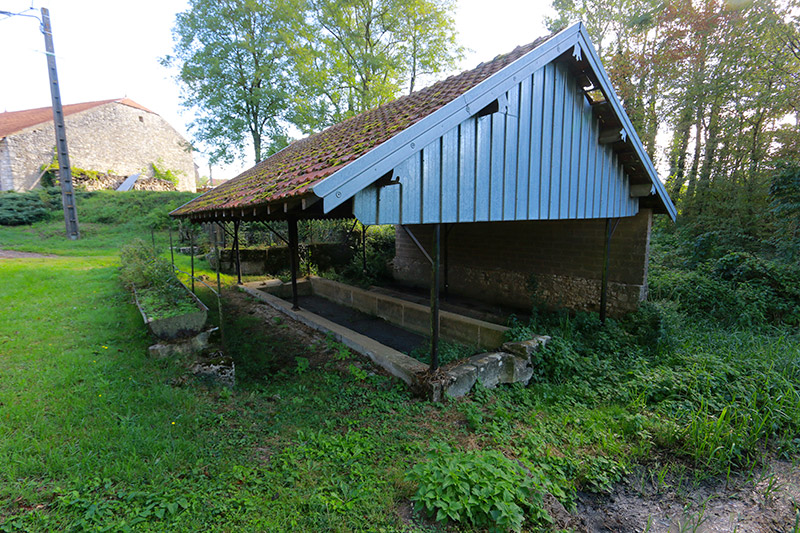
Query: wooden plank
(497, 167)
(561, 144)
(483, 173)
(523, 149)
(548, 138)
(409, 173)
(537, 136)
(389, 204)
(576, 154)
(432, 182)
(591, 169)
(511, 138)
(365, 205)
(466, 173)
(449, 188)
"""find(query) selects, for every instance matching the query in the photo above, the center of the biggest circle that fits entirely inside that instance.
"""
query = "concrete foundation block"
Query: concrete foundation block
(463, 378)
(528, 347)
(390, 311)
(490, 367)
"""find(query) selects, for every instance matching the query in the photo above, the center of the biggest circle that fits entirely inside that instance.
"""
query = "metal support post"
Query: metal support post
(236, 246)
(171, 250)
(293, 245)
(435, 297)
(191, 254)
(364, 249)
(64, 169)
(219, 286)
(610, 228)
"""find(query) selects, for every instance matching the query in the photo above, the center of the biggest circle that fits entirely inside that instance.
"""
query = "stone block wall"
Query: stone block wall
(113, 138)
(558, 262)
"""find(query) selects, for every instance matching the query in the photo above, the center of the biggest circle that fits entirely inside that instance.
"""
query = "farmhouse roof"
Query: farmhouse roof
(347, 158)
(14, 121)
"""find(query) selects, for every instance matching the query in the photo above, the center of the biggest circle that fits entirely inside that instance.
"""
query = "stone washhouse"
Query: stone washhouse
(118, 137)
(522, 178)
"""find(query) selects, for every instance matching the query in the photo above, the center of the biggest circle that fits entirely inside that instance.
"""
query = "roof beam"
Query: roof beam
(612, 136)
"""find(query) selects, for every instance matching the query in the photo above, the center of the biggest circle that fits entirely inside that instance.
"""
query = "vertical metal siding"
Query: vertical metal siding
(537, 158)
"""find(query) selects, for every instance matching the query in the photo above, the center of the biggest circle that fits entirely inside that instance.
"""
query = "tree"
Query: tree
(353, 55)
(233, 69)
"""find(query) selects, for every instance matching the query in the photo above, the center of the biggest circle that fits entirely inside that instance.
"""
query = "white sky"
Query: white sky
(110, 49)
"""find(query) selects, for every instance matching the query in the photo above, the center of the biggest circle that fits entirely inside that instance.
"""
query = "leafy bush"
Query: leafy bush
(162, 173)
(380, 252)
(738, 288)
(482, 488)
(18, 209)
(158, 290)
(448, 352)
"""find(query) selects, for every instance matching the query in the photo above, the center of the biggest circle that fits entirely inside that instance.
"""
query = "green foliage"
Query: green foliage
(158, 291)
(233, 64)
(18, 209)
(146, 208)
(448, 352)
(484, 489)
(379, 252)
(354, 55)
(161, 173)
(784, 193)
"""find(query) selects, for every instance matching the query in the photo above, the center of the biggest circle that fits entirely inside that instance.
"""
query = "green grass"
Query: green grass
(94, 435)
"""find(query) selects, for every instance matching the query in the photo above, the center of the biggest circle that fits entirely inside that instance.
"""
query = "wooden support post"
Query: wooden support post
(293, 251)
(236, 245)
(436, 253)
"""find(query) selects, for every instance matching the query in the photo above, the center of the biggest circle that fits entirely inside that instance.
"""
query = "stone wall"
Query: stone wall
(113, 138)
(558, 263)
(6, 177)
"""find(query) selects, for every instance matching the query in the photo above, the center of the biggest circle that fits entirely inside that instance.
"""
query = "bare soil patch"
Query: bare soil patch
(12, 254)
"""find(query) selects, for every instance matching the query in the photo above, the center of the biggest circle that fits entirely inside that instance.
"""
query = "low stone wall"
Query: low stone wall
(411, 316)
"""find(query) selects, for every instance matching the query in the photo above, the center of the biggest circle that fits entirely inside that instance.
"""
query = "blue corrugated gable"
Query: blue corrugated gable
(537, 157)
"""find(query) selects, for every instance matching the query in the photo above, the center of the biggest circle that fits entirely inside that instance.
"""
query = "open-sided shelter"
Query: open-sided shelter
(505, 179)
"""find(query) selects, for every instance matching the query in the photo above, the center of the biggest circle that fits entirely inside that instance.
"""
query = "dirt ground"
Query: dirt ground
(11, 254)
(767, 501)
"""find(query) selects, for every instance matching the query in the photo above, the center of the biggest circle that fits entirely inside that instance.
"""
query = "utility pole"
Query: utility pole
(64, 169)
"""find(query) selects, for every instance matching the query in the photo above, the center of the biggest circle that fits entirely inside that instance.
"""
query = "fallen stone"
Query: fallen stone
(219, 369)
(528, 347)
(189, 346)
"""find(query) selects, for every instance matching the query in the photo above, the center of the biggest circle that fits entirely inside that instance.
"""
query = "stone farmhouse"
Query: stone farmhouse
(117, 137)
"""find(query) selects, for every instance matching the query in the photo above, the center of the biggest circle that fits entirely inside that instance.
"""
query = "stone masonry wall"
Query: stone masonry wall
(561, 260)
(6, 178)
(114, 138)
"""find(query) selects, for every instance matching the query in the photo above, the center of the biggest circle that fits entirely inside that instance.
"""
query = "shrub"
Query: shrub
(158, 290)
(482, 488)
(18, 209)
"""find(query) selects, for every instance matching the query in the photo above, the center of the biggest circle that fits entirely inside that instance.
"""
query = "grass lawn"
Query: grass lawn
(94, 435)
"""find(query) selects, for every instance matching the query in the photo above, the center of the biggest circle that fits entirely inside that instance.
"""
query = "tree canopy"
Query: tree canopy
(251, 68)
(712, 89)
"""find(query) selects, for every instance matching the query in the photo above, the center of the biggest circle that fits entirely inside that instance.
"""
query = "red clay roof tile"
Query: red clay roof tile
(14, 121)
(295, 169)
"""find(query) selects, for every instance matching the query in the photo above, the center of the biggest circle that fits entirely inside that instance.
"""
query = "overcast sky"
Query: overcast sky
(109, 49)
